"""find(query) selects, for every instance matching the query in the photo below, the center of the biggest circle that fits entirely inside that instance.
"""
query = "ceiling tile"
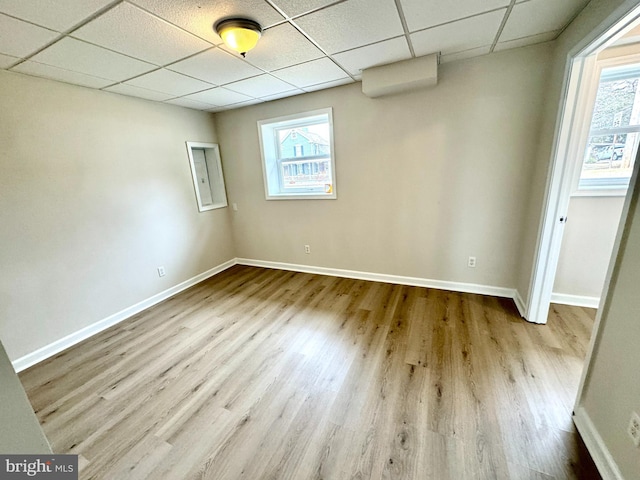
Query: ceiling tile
(357, 33)
(185, 102)
(82, 57)
(129, 30)
(7, 60)
(132, 91)
(60, 74)
(322, 86)
(352, 24)
(235, 105)
(246, 103)
(311, 73)
(218, 97)
(381, 53)
(58, 15)
(288, 93)
(198, 17)
(458, 36)
(280, 47)
(421, 14)
(260, 86)
(170, 82)
(215, 66)
(473, 52)
(18, 38)
(296, 7)
(522, 42)
(539, 16)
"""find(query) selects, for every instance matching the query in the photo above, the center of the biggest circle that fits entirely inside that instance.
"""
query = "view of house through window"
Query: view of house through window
(615, 130)
(297, 156)
(304, 156)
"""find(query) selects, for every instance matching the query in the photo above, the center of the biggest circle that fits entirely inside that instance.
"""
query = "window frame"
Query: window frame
(616, 186)
(273, 162)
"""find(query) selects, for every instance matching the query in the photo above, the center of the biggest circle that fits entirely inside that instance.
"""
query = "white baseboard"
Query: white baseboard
(575, 300)
(596, 446)
(53, 348)
(520, 305)
(382, 277)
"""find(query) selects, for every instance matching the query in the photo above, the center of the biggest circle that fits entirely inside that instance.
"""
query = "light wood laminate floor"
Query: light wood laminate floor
(267, 374)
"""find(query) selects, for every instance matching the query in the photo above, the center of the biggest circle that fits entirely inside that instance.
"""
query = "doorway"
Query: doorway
(581, 83)
(607, 142)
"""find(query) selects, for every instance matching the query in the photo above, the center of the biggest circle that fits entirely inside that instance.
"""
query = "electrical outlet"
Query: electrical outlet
(307, 249)
(161, 272)
(634, 429)
(234, 206)
(471, 262)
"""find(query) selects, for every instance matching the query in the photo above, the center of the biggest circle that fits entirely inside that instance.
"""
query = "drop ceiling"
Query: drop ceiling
(167, 51)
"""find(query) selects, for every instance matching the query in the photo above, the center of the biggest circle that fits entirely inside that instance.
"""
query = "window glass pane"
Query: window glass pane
(297, 156)
(310, 173)
(309, 140)
(305, 142)
(610, 156)
(616, 104)
(615, 125)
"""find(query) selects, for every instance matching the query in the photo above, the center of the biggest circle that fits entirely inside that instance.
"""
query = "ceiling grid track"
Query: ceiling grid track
(501, 28)
(407, 34)
(69, 31)
(292, 22)
(167, 51)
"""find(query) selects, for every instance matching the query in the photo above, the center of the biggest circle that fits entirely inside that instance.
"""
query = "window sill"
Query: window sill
(600, 192)
(301, 197)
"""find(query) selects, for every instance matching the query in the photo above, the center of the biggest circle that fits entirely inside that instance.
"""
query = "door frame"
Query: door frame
(579, 65)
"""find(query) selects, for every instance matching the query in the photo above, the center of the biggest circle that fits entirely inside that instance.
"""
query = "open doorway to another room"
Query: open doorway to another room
(595, 173)
(607, 136)
(595, 145)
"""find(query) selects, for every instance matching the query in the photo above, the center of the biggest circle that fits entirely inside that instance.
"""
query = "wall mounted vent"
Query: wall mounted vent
(402, 76)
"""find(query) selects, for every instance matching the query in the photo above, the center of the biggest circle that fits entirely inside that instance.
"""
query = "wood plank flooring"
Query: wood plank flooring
(266, 374)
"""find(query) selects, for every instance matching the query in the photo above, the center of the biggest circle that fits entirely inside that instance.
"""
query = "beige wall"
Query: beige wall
(95, 194)
(424, 179)
(587, 244)
(612, 389)
(20, 432)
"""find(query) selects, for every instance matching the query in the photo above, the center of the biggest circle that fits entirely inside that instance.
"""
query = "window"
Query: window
(206, 170)
(614, 131)
(297, 156)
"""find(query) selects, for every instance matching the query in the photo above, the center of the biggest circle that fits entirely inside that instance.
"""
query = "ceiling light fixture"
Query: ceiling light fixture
(239, 34)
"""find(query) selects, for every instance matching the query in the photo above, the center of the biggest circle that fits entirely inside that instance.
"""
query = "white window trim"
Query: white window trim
(271, 161)
(607, 190)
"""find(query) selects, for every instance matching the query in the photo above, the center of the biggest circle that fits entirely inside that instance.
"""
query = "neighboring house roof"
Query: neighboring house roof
(310, 136)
